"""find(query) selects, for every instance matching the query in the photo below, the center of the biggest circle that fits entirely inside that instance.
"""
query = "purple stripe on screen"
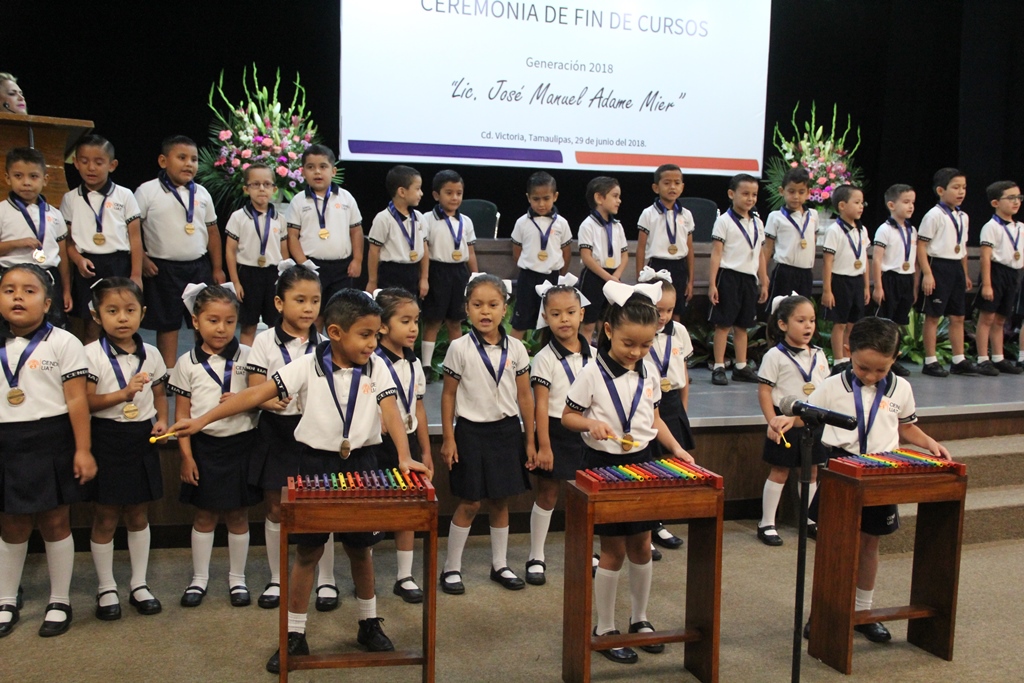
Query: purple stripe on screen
(453, 151)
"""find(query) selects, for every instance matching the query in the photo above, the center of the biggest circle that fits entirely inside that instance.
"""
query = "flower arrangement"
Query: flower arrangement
(260, 130)
(826, 158)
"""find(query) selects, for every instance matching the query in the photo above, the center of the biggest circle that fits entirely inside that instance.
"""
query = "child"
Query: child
(846, 287)
(335, 376)
(103, 220)
(398, 249)
(944, 277)
(793, 367)
(179, 229)
(486, 386)
(555, 367)
(32, 231)
(215, 462)
(597, 406)
(872, 344)
(603, 247)
(453, 258)
(790, 236)
(400, 323)
(324, 224)
(541, 248)
(125, 392)
(739, 278)
(257, 242)
(669, 228)
(44, 443)
(1000, 276)
(896, 279)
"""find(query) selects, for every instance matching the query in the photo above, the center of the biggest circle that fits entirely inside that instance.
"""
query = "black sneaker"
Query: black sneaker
(934, 370)
(655, 554)
(986, 368)
(296, 646)
(718, 377)
(1008, 367)
(372, 636)
(900, 370)
(745, 374)
(876, 632)
(964, 367)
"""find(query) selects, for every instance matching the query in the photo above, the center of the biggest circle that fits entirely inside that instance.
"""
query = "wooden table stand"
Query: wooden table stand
(327, 515)
(936, 570)
(702, 506)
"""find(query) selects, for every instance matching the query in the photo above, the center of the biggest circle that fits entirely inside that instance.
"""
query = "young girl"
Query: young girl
(400, 325)
(297, 298)
(44, 443)
(603, 247)
(555, 367)
(486, 385)
(793, 367)
(215, 462)
(125, 392)
(616, 397)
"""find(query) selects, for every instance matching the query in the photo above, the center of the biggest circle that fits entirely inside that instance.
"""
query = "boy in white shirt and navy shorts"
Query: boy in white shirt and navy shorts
(893, 261)
(398, 248)
(665, 234)
(791, 238)
(1001, 264)
(846, 289)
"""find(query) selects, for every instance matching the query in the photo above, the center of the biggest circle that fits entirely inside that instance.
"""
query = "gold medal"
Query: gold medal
(413, 255)
(408, 421)
(666, 384)
(39, 256)
(1016, 256)
(956, 249)
(130, 411)
(324, 233)
(189, 229)
(857, 264)
(15, 396)
(457, 255)
(627, 442)
(99, 239)
(906, 265)
(808, 388)
(609, 262)
(345, 450)
(261, 261)
(673, 249)
(803, 244)
(542, 255)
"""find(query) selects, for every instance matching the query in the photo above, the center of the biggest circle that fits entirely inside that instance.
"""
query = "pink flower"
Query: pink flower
(276, 149)
(245, 166)
(224, 135)
(219, 162)
(246, 153)
(267, 142)
(235, 162)
(281, 171)
(826, 195)
(293, 156)
(822, 181)
(295, 138)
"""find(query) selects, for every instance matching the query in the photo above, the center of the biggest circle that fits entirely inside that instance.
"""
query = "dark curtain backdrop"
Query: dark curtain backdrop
(931, 83)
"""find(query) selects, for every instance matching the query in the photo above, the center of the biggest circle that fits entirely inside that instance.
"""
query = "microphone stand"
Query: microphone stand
(811, 423)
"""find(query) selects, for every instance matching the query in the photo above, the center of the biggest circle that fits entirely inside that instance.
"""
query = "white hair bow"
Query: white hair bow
(777, 301)
(619, 292)
(507, 283)
(290, 263)
(567, 280)
(648, 274)
(192, 291)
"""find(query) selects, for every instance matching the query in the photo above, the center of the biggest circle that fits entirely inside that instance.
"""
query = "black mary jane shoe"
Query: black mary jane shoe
(270, 601)
(108, 612)
(240, 596)
(876, 632)
(536, 578)
(193, 596)
(619, 655)
(327, 604)
(653, 649)
(655, 554)
(812, 531)
(49, 629)
(413, 596)
(452, 587)
(666, 539)
(297, 645)
(512, 583)
(144, 607)
(8, 626)
(773, 540)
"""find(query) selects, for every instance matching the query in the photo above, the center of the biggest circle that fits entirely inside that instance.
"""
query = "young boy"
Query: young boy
(322, 379)
(103, 222)
(893, 259)
(256, 243)
(398, 250)
(325, 226)
(846, 289)
(182, 241)
(1001, 265)
(790, 237)
(541, 248)
(739, 280)
(669, 229)
(453, 257)
(943, 265)
(872, 346)
(32, 231)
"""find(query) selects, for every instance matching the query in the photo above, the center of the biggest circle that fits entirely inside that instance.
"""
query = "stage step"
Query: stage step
(991, 461)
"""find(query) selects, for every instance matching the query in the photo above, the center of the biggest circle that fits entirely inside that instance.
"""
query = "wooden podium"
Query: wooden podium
(936, 570)
(702, 506)
(54, 137)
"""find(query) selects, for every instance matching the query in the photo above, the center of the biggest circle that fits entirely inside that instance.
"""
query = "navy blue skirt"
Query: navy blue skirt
(128, 464)
(675, 418)
(37, 466)
(277, 455)
(567, 447)
(223, 463)
(492, 460)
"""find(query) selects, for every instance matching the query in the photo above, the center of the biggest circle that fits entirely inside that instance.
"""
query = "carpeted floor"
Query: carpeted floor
(491, 634)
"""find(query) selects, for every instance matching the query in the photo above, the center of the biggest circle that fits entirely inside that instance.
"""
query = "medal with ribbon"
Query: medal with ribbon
(130, 410)
(802, 230)
(190, 210)
(409, 237)
(321, 216)
(16, 395)
(263, 235)
(345, 414)
(608, 227)
(1014, 240)
(310, 345)
(626, 420)
(407, 397)
(907, 237)
(487, 359)
(565, 361)
(456, 237)
(863, 428)
(98, 238)
(752, 241)
(957, 224)
(38, 255)
(225, 384)
(808, 375)
(545, 236)
(671, 225)
(857, 248)
(662, 363)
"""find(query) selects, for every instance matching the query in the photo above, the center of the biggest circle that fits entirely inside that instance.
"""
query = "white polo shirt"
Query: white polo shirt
(442, 238)
(164, 219)
(387, 234)
(938, 230)
(101, 372)
(681, 349)
(409, 371)
(594, 236)
(340, 216)
(80, 208)
(549, 371)
(190, 379)
(58, 358)
(837, 243)
(655, 221)
(897, 407)
(893, 238)
(14, 227)
(779, 371)
(527, 234)
(785, 228)
(274, 348)
(738, 254)
(479, 399)
(322, 428)
(242, 227)
(994, 234)
(589, 394)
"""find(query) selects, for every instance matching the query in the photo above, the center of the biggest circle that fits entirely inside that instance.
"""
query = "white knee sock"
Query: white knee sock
(325, 568)
(138, 552)
(103, 560)
(202, 549)
(811, 490)
(863, 599)
(272, 532)
(296, 622)
(639, 590)
(606, 584)
(457, 537)
(770, 502)
(426, 353)
(540, 521)
(12, 562)
(404, 561)
(499, 547)
(60, 560)
(367, 608)
(238, 551)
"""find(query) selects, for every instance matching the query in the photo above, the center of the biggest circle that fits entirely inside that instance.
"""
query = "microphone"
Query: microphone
(793, 406)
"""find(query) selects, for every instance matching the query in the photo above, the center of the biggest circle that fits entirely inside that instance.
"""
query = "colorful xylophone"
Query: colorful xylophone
(667, 472)
(900, 461)
(373, 484)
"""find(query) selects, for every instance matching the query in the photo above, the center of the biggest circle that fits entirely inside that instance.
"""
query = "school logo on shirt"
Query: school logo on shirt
(367, 388)
(890, 406)
(44, 365)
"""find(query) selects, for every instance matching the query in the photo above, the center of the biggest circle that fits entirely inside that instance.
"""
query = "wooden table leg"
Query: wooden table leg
(936, 575)
(429, 603)
(704, 596)
(577, 595)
